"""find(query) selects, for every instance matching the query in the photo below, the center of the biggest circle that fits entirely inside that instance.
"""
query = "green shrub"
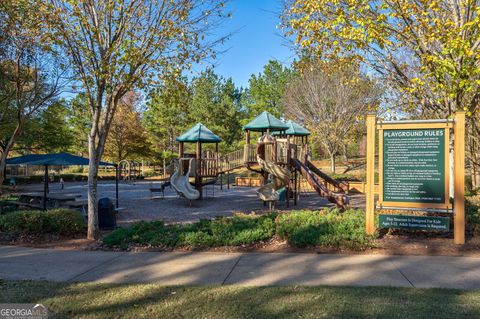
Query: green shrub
(143, 233)
(329, 227)
(57, 221)
(472, 212)
(302, 228)
(238, 230)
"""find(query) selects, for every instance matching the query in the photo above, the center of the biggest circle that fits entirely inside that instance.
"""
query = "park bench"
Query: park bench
(119, 209)
(17, 204)
(80, 205)
(159, 189)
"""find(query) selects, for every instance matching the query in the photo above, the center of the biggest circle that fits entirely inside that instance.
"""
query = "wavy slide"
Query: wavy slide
(341, 200)
(181, 183)
(281, 177)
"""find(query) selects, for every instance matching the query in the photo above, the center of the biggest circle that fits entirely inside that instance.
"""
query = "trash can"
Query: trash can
(282, 194)
(106, 214)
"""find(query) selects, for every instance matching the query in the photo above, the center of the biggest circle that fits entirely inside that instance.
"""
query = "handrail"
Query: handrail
(338, 185)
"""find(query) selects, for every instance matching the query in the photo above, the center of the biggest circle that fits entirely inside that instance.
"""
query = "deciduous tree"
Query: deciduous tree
(331, 99)
(30, 75)
(427, 52)
(116, 46)
(127, 138)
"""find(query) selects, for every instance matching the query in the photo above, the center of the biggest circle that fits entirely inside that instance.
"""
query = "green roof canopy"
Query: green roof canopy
(52, 159)
(264, 122)
(295, 129)
(199, 133)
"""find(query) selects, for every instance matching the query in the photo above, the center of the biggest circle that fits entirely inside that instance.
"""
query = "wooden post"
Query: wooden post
(370, 194)
(198, 169)
(459, 178)
(180, 150)
(246, 148)
(289, 152)
(306, 150)
(295, 187)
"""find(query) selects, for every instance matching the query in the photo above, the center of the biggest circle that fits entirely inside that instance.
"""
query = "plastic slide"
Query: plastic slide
(341, 200)
(281, 177)
(181, 183)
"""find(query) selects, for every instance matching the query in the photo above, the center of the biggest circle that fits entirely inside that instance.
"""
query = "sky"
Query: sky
(254, 40)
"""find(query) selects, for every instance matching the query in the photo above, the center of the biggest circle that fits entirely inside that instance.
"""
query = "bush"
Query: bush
(328, 227)
(57, 221)
(301, 228)
(238, 230)
(472, 212)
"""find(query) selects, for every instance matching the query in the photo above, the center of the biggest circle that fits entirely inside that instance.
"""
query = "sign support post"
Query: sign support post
(459, 178)
(370, 191)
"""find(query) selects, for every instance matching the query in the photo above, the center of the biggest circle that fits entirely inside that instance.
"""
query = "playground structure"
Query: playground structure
(281, 152)
(196, 165)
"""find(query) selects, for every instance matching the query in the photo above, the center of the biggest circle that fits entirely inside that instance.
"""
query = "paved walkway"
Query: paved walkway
(17, 263)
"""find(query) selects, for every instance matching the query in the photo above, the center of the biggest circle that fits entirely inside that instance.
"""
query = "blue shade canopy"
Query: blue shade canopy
(52, 159)
(294, 129)
(199, 133)
(264, 122)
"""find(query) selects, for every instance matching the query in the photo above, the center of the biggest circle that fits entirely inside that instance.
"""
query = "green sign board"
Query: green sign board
(414, 166)
(414, 222)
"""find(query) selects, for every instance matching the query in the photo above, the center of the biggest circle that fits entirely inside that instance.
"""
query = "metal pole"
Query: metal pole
(45, 188)
(116, 185)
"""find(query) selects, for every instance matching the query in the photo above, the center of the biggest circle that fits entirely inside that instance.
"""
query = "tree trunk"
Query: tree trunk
(3, 166)
(332, 162)
(345, 155)
(93, 228)
(6, 151)
(475, 176)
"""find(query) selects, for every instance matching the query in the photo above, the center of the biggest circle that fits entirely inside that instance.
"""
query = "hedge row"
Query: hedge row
(64, 222)
(301, 228)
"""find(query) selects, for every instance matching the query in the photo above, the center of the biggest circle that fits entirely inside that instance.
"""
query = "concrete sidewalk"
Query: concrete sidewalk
(18, 263)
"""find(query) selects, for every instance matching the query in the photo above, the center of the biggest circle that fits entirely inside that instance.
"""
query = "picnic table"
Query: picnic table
(82, 206)
(34, 200)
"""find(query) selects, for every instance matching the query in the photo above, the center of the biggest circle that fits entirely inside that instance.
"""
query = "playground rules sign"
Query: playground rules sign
(413, 166)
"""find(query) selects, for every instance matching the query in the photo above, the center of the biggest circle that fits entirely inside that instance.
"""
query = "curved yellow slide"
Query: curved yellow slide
(280, 176)
(181, 183)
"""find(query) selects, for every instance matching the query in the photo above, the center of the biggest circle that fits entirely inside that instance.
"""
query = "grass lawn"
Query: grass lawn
(92, 300)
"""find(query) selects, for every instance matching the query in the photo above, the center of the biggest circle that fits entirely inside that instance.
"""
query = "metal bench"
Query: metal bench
(160, 189)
